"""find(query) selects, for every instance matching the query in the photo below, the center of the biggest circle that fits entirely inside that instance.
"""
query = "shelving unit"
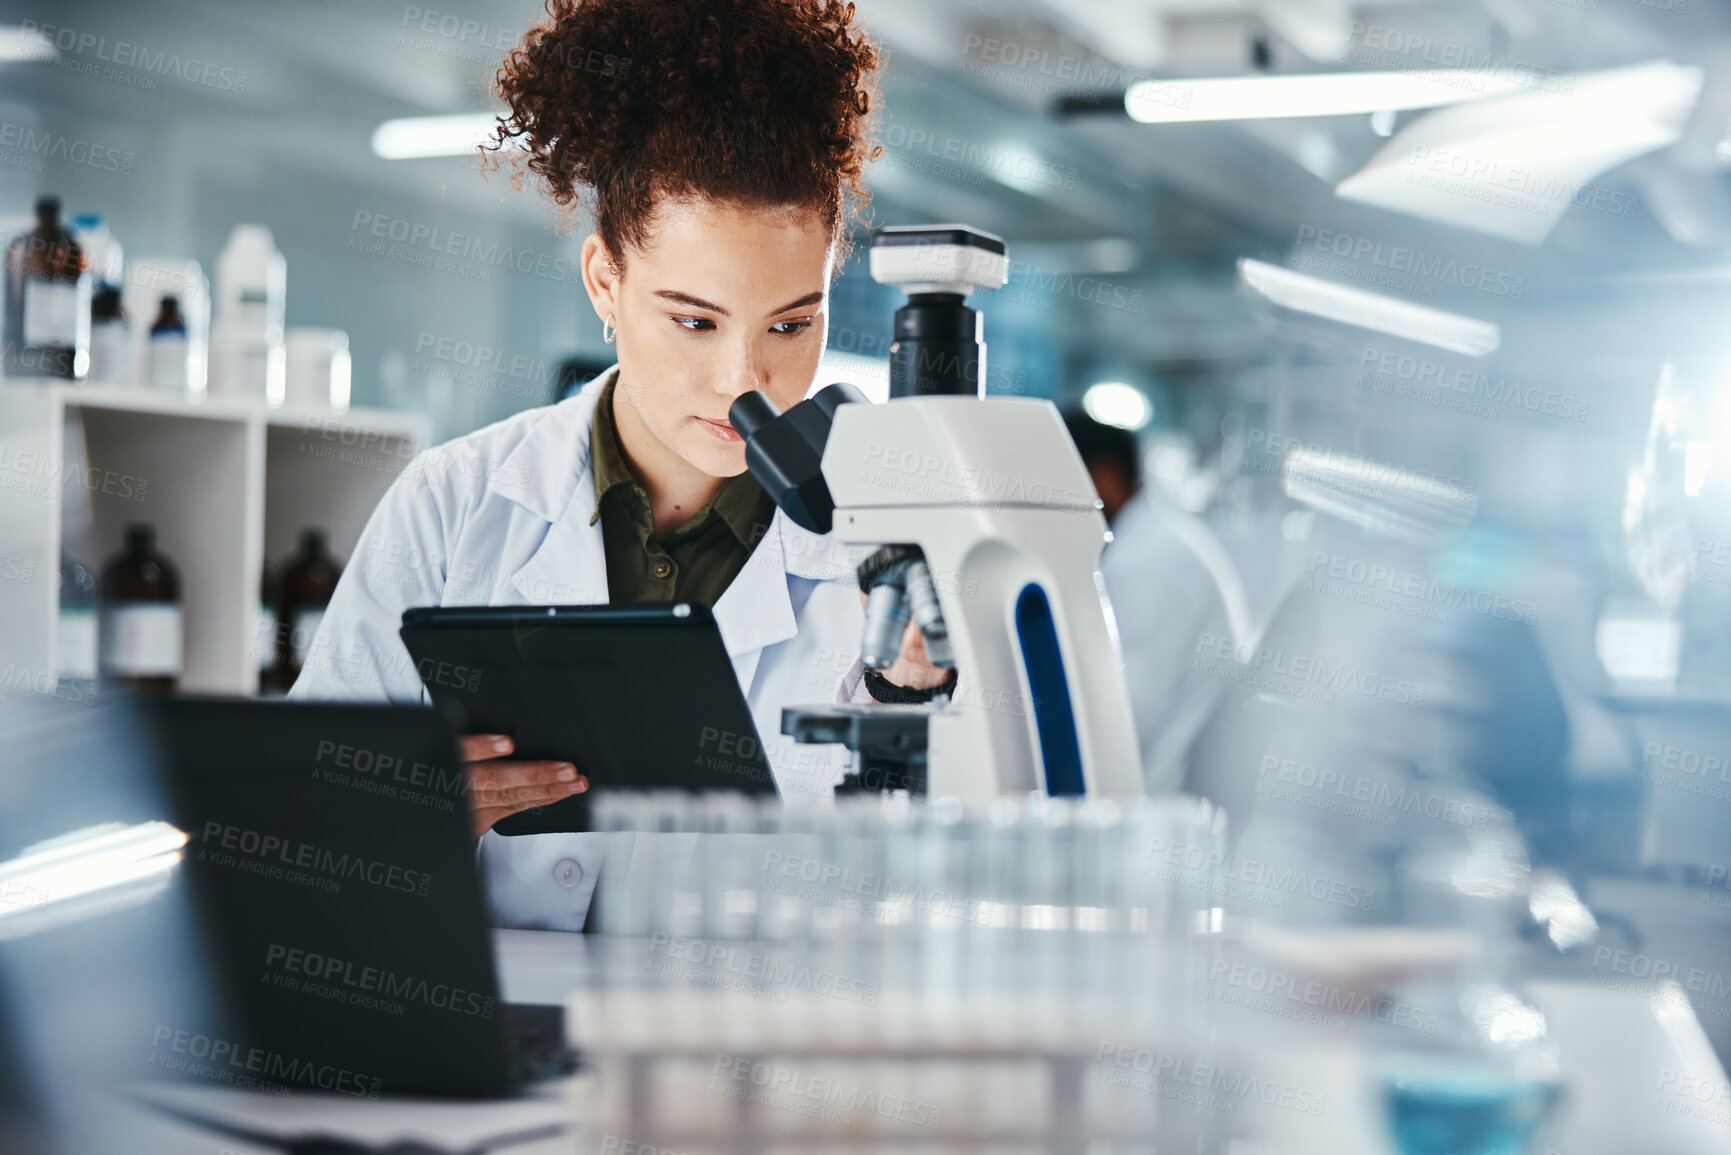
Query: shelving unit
(225, 482)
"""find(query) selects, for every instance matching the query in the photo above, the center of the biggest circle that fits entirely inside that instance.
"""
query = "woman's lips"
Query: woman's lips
(722, 429)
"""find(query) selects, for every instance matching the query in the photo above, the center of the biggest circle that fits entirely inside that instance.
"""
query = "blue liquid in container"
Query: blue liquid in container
(1465, 1114)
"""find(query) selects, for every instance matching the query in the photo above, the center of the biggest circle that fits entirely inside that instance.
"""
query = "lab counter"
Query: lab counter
(1637, 1070)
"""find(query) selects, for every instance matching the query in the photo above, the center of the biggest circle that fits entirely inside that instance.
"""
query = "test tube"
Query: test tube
(730, 847)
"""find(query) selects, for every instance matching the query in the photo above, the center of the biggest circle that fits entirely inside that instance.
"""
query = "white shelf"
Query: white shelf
(226, 482)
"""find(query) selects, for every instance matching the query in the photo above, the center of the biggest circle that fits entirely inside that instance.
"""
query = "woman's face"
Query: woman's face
(720, 301)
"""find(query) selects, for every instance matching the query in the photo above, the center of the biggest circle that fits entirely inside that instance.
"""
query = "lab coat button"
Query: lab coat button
(567, 872)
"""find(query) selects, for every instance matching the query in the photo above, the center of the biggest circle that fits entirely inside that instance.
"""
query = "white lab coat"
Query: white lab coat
(503, 517)
(1172, 585)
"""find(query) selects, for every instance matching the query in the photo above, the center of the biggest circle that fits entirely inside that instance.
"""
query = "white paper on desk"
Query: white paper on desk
(441, 1124)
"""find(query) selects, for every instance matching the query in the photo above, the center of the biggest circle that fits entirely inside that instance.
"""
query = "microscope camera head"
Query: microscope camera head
(938, 259)
(938, 349)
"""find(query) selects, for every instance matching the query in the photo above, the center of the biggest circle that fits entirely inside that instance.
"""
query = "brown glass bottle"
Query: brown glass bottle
(140, 634)
(307, 584)
(47, 300)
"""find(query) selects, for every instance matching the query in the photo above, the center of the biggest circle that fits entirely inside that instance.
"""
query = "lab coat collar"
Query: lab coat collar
(543, 473)
(549, 473)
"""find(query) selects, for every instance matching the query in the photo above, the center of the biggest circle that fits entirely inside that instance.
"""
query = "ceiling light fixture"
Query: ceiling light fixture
(1307, 94)
(1367, 310)
(1117, 403)
(414, 137)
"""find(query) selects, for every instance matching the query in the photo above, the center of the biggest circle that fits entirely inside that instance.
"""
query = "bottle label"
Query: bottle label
(168, 363)
(75, 643)
(142, 640)
(306, 628)
(50, 313)
(264, 638)
(110, 354)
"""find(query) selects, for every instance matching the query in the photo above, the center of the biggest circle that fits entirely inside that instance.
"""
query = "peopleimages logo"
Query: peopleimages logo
(1290, 780)
(1415, 587)
(58, 146)
(826, 1099)
(893, 466)
(1312, 670)
(1423, 372)
(1231, 1087)
(273, 856)
(714, 964)
(1416, 262)
(372, 980)
(74, 43)
(426, 242)
(1251, 879)
(252, 1067)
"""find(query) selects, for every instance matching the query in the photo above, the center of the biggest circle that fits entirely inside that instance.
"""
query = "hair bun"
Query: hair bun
(760, 102)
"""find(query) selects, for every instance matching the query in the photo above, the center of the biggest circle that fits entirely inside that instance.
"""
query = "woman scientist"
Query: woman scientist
(722, 144)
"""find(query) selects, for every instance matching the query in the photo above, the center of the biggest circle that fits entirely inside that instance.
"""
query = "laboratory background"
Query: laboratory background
(1380, 800)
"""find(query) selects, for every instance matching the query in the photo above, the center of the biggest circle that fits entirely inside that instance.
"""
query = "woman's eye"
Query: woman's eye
(694, 324)
(790, 328)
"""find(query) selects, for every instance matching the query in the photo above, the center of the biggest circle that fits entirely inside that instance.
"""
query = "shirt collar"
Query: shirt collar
(604, 452)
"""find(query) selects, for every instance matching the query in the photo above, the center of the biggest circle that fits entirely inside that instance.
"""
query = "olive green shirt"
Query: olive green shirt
(695, 562)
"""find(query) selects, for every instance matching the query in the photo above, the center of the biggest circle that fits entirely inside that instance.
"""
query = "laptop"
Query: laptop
(332, 862)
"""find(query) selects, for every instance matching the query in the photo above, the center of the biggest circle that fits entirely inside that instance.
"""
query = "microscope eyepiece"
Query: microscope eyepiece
(784, 451)
(751, 412)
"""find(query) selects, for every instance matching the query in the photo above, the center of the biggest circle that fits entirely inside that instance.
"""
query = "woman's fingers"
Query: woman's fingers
(500, 789)
(524, 773)
(480, 747)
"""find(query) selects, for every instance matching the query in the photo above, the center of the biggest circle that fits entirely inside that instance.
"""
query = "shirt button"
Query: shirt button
(662, 567)
(568, 872)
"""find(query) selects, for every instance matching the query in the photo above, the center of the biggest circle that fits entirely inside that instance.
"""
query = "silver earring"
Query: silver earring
(607, 330)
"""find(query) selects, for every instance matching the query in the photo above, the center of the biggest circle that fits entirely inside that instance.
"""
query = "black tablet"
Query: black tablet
(639, 697)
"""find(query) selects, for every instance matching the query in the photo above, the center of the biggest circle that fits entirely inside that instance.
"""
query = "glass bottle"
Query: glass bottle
(47, 301)
(110, 346)
(75, 637)
(307, 584)
(167, 356)
(141, 638)
(111, 352)
(1466, 1063)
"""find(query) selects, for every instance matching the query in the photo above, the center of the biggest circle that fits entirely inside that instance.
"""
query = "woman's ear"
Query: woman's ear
(601, 278)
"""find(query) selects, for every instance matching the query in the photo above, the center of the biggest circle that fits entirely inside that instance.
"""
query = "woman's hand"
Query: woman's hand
(500, 789)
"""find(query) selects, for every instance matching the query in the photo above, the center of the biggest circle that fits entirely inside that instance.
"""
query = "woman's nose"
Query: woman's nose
(741, 375)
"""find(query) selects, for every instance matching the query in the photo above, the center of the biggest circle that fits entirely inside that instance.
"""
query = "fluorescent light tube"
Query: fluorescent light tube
(1310, 94)
(1370, 310)
(413, 137)
(106, 858)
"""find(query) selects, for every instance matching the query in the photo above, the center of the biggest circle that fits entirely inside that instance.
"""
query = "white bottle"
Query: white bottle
(247, 358)
(319, 369)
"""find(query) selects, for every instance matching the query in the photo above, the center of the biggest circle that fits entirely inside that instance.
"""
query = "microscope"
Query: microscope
(989, 534)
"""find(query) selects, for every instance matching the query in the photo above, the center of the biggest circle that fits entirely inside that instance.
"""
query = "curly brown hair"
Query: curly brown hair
(765, 103)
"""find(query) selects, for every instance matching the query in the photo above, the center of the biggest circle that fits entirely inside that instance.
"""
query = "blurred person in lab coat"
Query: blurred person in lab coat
(1172, 589)
(720, 146)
